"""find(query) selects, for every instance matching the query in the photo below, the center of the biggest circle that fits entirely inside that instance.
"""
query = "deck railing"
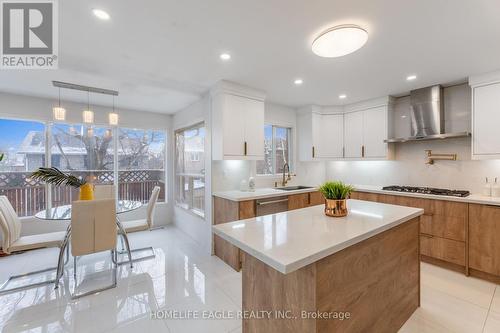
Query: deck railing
(29, 196)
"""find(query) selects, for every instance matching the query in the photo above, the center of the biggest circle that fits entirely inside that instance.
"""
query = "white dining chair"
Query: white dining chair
(12, 241)
(142, 225)
(93, 230)
(148, 222)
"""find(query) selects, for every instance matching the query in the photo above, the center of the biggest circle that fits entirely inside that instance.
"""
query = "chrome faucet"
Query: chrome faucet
(286, 167)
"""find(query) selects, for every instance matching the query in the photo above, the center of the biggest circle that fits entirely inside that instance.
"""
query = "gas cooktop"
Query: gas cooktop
(427, 190)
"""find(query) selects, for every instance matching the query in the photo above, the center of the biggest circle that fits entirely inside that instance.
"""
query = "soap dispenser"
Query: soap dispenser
(487, 188)
(495, 189)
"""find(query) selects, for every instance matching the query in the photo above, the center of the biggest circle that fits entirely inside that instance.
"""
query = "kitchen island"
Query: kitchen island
(306, 272)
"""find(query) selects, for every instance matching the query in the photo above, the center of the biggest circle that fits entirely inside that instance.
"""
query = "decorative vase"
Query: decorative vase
(87, 192)
(336, 208)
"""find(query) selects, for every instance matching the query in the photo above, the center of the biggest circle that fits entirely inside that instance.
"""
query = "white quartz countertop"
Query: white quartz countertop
(259, 193)
(291, 240)
(473, 198)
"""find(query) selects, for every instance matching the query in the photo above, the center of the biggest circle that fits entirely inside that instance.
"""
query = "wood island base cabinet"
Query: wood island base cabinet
(375, 282)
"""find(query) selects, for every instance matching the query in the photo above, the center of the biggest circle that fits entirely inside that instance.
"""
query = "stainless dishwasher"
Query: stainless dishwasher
(271, 205)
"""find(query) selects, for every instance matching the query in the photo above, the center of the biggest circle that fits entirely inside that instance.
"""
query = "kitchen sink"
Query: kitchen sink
(293, 188)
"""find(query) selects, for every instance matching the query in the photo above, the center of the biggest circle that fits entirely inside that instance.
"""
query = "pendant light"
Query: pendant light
(113, 116)
(88, 115)
(59, 112)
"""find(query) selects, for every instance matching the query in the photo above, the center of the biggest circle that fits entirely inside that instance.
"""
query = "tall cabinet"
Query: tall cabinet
(237, 122)
(485, 116)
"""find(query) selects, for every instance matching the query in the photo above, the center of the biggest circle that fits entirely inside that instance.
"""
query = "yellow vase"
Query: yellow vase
(87, 192)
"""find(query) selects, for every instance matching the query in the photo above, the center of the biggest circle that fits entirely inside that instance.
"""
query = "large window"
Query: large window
(277, 150)
(137, 166)
(84, 151)
(23, 146)
(141, 163)
(190, 169)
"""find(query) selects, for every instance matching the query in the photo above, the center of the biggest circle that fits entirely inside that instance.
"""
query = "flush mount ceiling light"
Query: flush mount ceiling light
(225, 56)
(342, 96)
(339, 41)
(411, 77)
(298, 82)
(101, 14)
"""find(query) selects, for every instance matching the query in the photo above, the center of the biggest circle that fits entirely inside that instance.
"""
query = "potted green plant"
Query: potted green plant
(1, 157)
(58, 178)
(336, 194)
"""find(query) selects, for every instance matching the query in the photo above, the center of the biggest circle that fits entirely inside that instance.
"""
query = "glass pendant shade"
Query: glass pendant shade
(88, 117)
(59, 113)
(113, 119)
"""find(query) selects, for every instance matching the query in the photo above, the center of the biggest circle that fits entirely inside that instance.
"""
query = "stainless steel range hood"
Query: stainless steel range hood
(427, 116)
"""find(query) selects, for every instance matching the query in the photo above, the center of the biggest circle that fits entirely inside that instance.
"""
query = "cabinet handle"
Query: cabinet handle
(363, 151)
(427, 235)
(245, 148)
(343, 152)
(314, 153)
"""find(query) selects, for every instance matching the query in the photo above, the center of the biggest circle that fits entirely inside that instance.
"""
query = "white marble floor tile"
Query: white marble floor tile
(492, 323)
(470, 289)
(495, 303)
(183, 278)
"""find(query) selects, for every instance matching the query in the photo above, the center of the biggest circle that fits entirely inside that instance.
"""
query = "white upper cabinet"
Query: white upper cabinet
(320, 136)
(331, 140)
(356, 131)
(237, 115)
(353, 134)
(375, 122)
(485, 116)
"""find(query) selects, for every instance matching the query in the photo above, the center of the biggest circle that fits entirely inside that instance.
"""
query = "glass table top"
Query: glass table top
(64, 212)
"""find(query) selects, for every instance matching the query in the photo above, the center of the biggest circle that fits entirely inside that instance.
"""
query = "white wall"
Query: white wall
(35, 108)
(227, 175)
(408, 166)
(200, 229)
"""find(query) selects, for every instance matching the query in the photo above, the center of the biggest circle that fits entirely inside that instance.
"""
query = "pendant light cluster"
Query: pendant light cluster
(59, 113)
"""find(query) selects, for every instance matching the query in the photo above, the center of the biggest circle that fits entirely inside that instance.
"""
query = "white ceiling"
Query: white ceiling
(163, 54)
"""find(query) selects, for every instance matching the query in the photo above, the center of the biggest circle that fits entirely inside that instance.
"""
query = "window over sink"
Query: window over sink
(277, 150)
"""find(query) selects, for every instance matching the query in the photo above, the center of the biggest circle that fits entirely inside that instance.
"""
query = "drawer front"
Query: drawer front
(444, 249)
(449, 227)
(298, 201)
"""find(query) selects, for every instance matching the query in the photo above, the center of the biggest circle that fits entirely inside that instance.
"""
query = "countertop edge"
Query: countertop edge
(291, 267)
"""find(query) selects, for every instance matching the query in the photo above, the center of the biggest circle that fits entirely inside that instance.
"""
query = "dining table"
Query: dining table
(63, 213)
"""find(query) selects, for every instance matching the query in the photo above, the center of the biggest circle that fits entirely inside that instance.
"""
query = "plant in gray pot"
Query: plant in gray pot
(336, 194)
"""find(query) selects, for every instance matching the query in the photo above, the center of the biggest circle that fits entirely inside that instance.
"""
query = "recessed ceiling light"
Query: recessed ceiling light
(342, 96)
(101, 14)
(411, 77)
(298, 82)
(339, 41)
(225, 56)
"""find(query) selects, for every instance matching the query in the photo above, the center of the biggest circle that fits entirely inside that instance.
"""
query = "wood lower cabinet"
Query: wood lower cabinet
(316, 198)
(298, 201)
(228, 211)
(443, 249)
(484, 242)
(443, 227)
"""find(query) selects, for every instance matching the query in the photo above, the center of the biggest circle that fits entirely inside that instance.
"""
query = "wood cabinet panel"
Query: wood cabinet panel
(228, 211)
(443, 249)
(444, 226)
(247, 209)
(298, 201)
(484, 238)
(316, 198)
